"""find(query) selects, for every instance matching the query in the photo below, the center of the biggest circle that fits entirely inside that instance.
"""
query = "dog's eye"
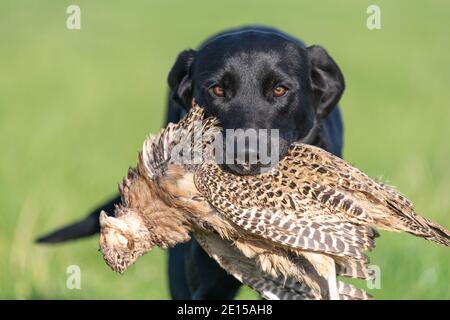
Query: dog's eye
(279, 91)
(218, 91)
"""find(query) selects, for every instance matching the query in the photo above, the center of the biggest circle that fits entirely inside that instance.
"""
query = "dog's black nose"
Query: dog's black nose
(249, 152)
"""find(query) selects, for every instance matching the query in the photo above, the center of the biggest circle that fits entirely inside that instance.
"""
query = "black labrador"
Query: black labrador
(252, 77)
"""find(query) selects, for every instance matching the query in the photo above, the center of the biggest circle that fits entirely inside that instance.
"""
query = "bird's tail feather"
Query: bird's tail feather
(407, 220)
(438, 233)
(349, 292)
(427, 229)
(290, 289)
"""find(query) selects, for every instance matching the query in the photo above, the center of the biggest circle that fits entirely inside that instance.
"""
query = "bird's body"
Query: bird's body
(311, 214)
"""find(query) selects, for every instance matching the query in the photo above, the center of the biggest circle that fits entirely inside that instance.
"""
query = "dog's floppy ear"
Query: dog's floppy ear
(326, 78)
(179, 79)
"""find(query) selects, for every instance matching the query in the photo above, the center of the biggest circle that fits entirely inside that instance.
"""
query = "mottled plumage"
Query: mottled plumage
(286, 232)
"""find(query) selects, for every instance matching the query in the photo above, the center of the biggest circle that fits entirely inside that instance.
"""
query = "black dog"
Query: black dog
(252, 77)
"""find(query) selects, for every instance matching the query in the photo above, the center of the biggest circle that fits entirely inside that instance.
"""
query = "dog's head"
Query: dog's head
(258, 79)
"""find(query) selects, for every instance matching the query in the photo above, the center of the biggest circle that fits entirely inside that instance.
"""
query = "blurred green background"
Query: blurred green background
(75, 107)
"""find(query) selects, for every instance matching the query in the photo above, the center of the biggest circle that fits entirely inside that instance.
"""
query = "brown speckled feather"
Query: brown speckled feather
(269, 287)
(272, 206)
(309, 198)
(309, 214)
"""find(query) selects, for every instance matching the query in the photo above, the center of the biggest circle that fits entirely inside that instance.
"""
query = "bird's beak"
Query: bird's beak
(111, 222)
(103, 219)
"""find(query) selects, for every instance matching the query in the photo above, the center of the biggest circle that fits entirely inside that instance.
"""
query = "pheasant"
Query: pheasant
(286, 232)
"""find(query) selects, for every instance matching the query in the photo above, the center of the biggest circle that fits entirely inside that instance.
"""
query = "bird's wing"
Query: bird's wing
(257, 206)
(345, 189)
(185, 143)
(327, 172)
(246, 271)
(268, 286)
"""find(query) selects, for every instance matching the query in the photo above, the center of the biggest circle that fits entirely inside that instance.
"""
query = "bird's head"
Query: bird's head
(123, 241)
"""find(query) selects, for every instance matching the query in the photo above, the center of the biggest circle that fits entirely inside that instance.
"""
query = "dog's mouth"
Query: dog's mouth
(251, 151)
(253, 156)
(248, 165)
(246, 169)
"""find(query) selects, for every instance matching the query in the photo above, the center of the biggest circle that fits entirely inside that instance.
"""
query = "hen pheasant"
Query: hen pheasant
(286, 232)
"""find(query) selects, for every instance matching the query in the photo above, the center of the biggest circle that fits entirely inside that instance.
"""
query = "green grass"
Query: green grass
(75, 107)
